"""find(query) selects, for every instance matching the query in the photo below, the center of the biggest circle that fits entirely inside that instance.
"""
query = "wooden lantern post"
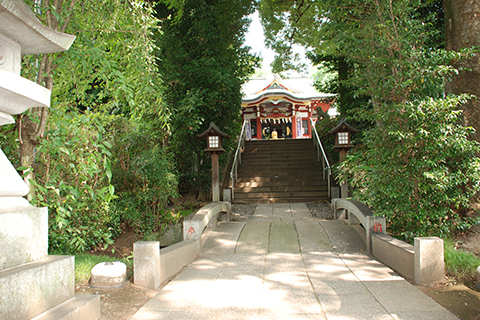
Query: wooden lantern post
(343, 133)
(214, 136)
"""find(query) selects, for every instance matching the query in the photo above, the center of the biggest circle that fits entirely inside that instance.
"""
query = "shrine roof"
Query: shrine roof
(297, 88)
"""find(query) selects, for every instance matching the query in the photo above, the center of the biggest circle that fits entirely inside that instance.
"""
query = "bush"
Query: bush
(144, 178)
(417, 168)
(74, 183)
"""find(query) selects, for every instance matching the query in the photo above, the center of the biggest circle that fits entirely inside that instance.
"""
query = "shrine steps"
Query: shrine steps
(280, 171)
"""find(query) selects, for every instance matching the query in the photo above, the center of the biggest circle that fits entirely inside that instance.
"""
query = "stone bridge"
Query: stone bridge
(285, 264)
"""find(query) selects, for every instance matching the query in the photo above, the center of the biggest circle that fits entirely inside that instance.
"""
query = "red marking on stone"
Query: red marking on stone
(191, 231)
(377, 227)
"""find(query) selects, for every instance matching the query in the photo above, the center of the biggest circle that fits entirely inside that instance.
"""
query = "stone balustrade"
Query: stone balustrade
(359, 213)
(423, 262)
(152, 266)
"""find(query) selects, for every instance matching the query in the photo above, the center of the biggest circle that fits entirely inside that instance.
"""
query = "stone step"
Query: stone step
(279, 200)
(257, 182)
(262, 195)
(311, 188)
(81, 307)
(280, 171)
(263, 173)
(29, 290)
(281, 162)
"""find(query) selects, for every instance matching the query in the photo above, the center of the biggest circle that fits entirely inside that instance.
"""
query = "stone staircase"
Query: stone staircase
(276, 171)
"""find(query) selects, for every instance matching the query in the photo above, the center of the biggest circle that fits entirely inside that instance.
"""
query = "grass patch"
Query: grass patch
(460, 264)
(85, 262)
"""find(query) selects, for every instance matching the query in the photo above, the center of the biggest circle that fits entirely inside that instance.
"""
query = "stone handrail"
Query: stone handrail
(152, 266)
(423, 262)
(193, 228)
(360, 213)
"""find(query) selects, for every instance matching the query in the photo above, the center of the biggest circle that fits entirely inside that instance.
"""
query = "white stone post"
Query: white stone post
(146, 264)
(429, 260)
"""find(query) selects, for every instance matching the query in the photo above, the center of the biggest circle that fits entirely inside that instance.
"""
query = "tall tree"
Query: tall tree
(110, 65)
(462, 20)
(415, 166)
(203, 64)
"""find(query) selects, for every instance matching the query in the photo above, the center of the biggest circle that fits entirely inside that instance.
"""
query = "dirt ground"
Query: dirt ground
(122, 303)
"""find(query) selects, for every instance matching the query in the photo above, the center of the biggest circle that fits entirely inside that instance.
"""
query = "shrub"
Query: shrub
(417, 168)
(74, 183)
(144, 178)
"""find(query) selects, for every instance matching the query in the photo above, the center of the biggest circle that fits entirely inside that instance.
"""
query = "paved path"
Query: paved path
(284, 264)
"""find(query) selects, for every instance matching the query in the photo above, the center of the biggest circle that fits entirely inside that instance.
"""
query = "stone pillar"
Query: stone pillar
(146, 264)
(373, 225)
(429, 260)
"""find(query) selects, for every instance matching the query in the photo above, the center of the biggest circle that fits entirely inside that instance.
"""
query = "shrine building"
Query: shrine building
(282, 105)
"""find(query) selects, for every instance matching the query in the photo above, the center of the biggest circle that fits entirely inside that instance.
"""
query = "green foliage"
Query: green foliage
(460, 264)
(418, 168)
(203, 64)
(108, 77)
(74, 183)
(328, 140)
(144, 177)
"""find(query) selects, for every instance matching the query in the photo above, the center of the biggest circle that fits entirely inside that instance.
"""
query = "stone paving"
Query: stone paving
(285, 264)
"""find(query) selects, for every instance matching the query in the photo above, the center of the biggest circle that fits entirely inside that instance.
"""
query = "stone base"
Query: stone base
(31, 289)
(23, 234)
(81, 307)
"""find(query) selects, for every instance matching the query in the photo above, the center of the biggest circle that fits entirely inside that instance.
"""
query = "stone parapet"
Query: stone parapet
(396, 254)
(152, 266)
(205, 216)
(359, 213)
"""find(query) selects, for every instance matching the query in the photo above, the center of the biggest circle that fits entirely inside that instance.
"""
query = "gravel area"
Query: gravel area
(320, 210)
(242, 212)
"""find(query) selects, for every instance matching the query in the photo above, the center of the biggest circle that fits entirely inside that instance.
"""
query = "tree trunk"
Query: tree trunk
(32, 125)
(462, 30)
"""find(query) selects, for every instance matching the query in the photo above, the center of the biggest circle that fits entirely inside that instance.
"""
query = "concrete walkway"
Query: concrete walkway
(284, 264)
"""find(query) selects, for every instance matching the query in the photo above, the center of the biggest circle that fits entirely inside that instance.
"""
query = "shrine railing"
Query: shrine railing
(327, 172)
(238, 156)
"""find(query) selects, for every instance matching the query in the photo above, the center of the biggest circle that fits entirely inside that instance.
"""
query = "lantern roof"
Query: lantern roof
(213, 130)
(342, 125)
(19, 23)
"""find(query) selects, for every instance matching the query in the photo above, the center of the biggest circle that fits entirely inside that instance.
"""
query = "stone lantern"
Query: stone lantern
(32, 283)
(343, 142)
(214, 137)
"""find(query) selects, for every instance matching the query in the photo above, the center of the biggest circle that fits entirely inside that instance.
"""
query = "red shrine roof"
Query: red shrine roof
(295, 88)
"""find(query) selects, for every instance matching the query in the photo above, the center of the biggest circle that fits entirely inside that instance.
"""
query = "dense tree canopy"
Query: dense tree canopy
(391, 61)
(203, 63)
